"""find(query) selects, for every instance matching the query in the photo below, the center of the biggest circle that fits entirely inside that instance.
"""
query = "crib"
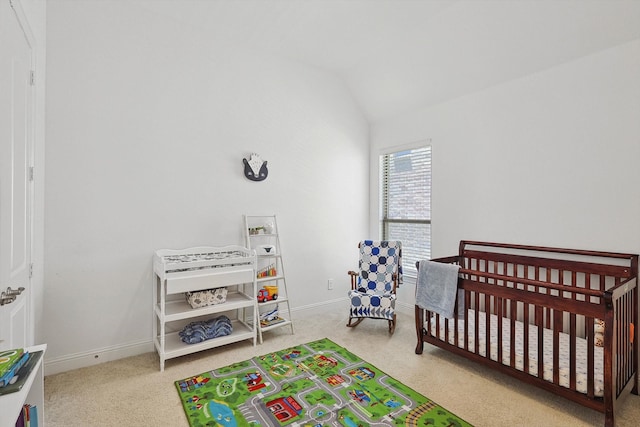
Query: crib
(563, 320)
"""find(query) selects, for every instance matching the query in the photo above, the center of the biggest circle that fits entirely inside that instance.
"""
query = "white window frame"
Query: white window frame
(411, 253)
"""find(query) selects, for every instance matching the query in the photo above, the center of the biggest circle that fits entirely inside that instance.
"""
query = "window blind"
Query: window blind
(406, 203)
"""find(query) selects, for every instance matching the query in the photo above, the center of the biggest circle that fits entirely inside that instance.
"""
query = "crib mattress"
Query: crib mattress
(564, 357)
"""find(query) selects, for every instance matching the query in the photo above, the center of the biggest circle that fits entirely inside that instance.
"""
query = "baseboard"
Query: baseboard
(343, 303)
(405, 308)
(95, 357)
(107, 354)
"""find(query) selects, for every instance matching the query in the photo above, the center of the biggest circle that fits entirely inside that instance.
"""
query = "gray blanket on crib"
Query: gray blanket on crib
(437, 287)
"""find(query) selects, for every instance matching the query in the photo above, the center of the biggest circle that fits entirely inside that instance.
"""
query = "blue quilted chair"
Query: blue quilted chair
(373, 287)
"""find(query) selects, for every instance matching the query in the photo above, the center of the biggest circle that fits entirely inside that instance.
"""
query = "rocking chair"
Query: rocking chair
(373, 288)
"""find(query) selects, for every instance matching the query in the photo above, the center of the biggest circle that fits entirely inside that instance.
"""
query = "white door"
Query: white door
(15, 180)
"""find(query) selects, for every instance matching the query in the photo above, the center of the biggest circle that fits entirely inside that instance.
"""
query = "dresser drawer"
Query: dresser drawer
(189, 281)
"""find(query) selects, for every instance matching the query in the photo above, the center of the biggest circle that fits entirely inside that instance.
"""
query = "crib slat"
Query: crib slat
(620, 353)
(514, 315)
(476, 331)
(557, 328)
(467, 303)
(499, 313)
(526, 367)
(573, 335)
(623, 331)
(590, 359)
(487, 305)
(539, 315)
(446, 329)
(457, 312)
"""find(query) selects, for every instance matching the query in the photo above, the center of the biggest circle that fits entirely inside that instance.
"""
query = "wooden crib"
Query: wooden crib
(511, 292)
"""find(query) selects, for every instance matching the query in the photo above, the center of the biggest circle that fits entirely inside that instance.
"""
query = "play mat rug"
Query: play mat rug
(318, 384)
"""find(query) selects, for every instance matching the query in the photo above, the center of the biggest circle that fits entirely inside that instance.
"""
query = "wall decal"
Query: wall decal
(255, 168)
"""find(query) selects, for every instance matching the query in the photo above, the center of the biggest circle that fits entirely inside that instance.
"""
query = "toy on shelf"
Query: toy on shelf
(256, 230)
(268, 293)
(268, 228)
(268, 271)
(270, 318)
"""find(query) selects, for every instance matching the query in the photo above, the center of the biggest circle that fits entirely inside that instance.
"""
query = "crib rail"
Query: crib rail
(530, 296)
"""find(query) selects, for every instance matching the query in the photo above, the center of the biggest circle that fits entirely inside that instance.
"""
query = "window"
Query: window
(406, 203)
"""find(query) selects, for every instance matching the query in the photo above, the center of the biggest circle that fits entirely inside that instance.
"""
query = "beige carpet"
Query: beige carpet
(133, 392)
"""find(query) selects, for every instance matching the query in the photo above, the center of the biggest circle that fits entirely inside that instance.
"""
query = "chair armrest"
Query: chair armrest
(394, 279)
(354, 276)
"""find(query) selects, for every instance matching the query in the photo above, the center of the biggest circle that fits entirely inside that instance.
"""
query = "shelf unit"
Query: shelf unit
(32, 392)
(187, 270)
(262, 235)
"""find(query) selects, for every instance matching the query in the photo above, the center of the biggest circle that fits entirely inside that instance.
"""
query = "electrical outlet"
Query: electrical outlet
(330, 284)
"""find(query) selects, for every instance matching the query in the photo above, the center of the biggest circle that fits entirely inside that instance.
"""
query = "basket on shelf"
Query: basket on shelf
(206, 297)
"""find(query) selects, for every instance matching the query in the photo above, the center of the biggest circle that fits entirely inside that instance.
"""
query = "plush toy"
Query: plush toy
(598, 332)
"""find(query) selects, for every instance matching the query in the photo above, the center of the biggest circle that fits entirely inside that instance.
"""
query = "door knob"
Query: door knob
(6, 300)
(10, 295)
(14, 292)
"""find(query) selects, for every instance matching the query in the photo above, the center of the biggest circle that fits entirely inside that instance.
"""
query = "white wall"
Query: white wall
(147, 127)
(548, 159)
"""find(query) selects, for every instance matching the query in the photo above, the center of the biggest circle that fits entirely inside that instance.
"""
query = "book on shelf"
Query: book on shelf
(10, 362)
(28, 417)
(19, 376)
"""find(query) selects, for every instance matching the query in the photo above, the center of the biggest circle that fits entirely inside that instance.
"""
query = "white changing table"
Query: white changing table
(195, 269)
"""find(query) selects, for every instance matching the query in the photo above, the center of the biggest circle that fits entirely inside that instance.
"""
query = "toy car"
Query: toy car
(268, 293)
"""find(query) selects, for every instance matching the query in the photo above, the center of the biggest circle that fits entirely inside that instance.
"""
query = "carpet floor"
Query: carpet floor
(133, 391)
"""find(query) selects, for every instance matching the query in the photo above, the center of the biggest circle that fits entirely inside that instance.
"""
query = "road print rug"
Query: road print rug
(318, 384)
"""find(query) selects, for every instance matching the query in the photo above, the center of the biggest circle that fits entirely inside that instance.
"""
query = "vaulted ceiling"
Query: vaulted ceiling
(401, 55)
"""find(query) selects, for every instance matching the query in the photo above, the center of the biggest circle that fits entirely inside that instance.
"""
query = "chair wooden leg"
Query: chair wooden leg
(392, 325)
(356, 323)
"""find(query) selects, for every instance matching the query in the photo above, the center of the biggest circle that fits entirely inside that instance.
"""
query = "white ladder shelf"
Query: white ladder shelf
(262, 235)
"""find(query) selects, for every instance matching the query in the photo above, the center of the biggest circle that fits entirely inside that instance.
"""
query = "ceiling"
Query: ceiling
(401, 55)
